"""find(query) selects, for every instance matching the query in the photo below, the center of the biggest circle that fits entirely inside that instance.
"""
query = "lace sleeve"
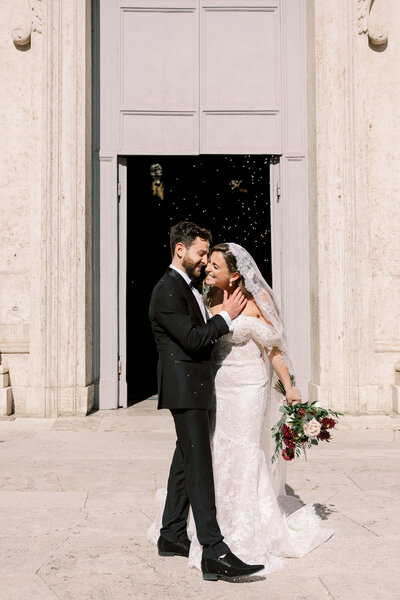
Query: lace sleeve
(265, 335)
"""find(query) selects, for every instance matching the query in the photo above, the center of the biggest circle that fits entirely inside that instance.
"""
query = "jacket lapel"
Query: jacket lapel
(188, 292)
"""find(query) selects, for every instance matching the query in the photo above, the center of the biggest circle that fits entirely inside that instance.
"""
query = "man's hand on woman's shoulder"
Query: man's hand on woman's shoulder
(234, 304)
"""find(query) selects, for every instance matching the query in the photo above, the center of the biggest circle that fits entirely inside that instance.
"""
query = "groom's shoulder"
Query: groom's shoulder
(167, 281)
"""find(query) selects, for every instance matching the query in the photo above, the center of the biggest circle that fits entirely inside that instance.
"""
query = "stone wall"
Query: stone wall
(45, 199)
(354, 87)
(20, 86)
(45, 187)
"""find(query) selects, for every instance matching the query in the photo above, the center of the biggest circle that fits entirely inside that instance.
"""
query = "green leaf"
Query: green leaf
(314, 442)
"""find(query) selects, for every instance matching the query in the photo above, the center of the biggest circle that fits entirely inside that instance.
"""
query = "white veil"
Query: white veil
(266, 302)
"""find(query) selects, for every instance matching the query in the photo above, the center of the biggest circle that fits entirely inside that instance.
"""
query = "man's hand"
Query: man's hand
(293, 396)
(234, 304)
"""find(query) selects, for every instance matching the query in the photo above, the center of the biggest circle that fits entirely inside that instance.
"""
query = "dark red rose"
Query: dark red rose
(324, 435)
(301, 412)
(289, 443)
(286, 432)
(288, 454)
(328, 423)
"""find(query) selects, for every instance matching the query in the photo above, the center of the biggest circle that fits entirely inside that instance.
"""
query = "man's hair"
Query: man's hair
(186, 232)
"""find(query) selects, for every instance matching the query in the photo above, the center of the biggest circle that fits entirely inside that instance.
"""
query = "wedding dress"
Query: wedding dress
(255, 517)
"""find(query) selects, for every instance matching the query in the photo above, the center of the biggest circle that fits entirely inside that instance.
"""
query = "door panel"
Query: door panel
(239, 59)
(159, 78)
(237, 132)
(165, 82)
(122, 270)
(159, 55)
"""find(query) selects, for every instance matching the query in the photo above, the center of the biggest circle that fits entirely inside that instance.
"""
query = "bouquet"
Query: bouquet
(301, 426)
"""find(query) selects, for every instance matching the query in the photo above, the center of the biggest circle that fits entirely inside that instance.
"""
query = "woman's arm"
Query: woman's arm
(293, 394)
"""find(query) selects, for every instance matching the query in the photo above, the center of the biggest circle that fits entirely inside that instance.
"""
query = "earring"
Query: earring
(230, 283)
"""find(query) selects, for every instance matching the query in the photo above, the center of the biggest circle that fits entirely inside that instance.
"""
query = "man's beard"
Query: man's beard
(190, 267)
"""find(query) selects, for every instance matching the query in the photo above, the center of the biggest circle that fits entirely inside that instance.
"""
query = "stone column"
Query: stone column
(354, 281)
(338, 216)
(62, 281)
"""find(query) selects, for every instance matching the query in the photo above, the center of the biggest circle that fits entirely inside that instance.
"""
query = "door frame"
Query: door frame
(289, 205)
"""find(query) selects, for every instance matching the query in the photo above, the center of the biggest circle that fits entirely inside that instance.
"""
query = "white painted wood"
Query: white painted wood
(294, 77)
(108, 385)
(158, 58)
(276, 227)
(216, 76)
(158, 66)
(240, 58)
(240, 83)
(295, 279)
(159, 133)
(122, 264)
(294, 190)
(109, 76)
(248, 132)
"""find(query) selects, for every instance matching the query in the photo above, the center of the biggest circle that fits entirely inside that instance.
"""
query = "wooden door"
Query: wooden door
(206, 77)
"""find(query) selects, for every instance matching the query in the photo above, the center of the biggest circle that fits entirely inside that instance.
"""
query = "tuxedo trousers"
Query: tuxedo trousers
(191, 483)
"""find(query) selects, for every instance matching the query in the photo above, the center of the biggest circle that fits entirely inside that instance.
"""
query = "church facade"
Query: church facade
(307, 90)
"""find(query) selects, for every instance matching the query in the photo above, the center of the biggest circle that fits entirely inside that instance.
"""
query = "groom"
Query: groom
(184, 336)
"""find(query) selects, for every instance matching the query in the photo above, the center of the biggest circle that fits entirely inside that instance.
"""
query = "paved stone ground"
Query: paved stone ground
(77, 496)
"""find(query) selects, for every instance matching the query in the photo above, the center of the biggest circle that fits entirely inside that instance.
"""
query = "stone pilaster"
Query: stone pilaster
(337, 211)
(5, 393)
(61, 295)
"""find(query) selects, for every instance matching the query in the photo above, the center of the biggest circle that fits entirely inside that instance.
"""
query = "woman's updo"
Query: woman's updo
(231, 263)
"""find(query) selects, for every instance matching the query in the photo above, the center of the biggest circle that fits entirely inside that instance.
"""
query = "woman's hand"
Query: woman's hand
(293, 396)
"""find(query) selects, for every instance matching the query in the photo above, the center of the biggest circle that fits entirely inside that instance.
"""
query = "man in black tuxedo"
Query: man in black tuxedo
(185, 336)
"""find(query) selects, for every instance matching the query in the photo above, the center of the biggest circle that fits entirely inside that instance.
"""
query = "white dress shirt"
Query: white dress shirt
(199, 298)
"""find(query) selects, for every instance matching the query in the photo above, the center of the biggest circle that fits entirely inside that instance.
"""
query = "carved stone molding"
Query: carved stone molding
(377, 34)
(60, 334)
(33, 22)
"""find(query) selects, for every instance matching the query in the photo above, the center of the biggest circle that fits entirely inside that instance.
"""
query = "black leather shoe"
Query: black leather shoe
(166, 548)
(227, 567)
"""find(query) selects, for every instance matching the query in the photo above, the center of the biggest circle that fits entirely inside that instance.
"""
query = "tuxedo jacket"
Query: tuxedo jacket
(184, 343)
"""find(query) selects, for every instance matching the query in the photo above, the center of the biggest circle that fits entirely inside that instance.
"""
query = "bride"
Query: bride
(259, 521)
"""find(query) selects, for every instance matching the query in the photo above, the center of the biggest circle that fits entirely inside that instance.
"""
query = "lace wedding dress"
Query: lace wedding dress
(257, 520)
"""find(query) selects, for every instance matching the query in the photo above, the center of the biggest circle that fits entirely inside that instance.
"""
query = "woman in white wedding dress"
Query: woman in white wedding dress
(258, 520)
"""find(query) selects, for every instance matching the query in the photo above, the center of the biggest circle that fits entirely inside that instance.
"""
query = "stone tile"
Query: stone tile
(27, 424)
(144, 422)
(128, 521)
(279, 587)
(39, 522)
(25, 587)
(360, 586)
(35, 476)
(378, 511)
(26, 554)
(19, 500)
(107, 501)
(75, 424)
(109, 586)
(94, 545)
(106, 475)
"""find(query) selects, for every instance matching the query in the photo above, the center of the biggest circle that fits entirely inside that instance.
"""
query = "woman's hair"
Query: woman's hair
(231, 263)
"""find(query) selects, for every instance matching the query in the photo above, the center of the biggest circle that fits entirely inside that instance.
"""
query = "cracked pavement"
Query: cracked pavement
(77, 495)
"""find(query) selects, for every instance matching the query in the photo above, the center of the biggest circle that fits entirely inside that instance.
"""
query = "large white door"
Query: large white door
(190, 76)
(210, 77)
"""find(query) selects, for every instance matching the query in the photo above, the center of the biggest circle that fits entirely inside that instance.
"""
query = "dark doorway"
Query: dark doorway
(227, 194)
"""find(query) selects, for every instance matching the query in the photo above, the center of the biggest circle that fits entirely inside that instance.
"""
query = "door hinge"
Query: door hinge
(119, 368)
(119, 190)
(278, 191)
